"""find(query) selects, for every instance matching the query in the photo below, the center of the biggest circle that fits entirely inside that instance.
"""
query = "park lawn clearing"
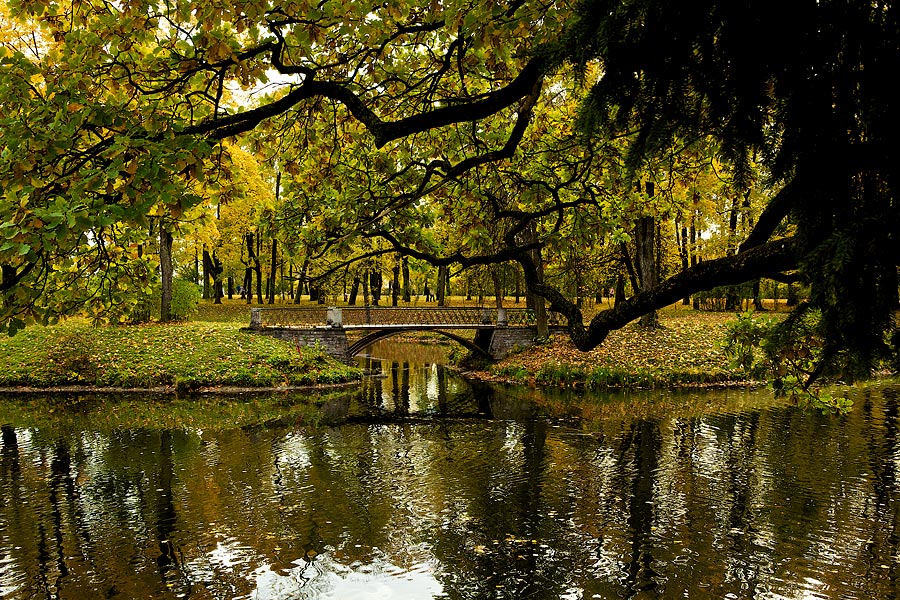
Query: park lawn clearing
(184, 356)
(685, 350)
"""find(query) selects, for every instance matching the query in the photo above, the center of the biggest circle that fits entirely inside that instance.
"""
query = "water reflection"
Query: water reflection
(419, 486)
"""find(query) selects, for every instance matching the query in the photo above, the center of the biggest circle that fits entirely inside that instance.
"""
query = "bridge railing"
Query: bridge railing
(395, 316)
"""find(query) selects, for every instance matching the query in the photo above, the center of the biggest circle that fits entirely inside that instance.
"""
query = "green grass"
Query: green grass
(185, 356)
(686, 350)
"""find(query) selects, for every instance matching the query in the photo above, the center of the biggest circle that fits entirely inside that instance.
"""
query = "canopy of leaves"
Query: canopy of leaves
(461, 132)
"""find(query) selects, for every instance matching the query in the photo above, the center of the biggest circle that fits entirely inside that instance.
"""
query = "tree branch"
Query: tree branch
(766, 260)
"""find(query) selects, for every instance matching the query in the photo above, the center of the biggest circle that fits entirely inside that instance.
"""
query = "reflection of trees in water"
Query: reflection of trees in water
(701, 506)
(880, 554)
(644, 445)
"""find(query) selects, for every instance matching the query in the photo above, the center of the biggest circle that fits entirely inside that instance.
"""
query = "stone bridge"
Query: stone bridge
(497, 330)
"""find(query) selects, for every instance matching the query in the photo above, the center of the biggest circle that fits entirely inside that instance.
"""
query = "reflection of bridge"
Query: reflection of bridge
(497, 331)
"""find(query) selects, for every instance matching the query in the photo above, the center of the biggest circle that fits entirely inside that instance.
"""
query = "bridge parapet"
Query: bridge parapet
(349, 316)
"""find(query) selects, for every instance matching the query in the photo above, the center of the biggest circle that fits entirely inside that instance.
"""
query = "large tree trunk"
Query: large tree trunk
(620, 289)
(354, 290)
(165, 274)
(533, 301)
(375, 286)
(407, 283)
(212, 270)
(301, 278)
(645, 238)
(633, 277)
(498, 288)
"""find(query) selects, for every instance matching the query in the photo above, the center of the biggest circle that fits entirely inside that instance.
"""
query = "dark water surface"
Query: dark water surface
(416, 486)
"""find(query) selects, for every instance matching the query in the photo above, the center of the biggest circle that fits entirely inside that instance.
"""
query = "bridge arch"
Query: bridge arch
(367, 340)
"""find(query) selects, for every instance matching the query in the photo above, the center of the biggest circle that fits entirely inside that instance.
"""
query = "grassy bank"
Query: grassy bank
(184, 356)
(684, 350)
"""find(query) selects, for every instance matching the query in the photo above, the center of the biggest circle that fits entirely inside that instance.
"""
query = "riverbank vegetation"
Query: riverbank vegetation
(638, 149)
(687, 348)
(181, 356)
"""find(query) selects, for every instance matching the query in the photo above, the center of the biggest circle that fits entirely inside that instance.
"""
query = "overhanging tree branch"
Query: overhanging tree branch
(522, 86)
(761, 261)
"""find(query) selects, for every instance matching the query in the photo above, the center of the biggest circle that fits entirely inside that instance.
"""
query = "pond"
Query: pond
(418, 485)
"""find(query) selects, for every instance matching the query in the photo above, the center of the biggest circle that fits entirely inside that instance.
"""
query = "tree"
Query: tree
(408, 113)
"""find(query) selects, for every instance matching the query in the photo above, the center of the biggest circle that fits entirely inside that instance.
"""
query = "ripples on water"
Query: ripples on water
(417, 485)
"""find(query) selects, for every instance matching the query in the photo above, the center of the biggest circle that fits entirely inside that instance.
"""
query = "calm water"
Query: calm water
(417, 486)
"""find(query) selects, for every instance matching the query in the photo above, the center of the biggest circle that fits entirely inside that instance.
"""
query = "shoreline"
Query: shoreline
(170, 389)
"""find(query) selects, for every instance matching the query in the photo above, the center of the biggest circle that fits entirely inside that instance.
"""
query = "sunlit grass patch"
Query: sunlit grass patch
(685, 350)
(187, 356)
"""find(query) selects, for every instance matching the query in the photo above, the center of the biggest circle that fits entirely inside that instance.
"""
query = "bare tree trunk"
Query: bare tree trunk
(375, 286)
(257, 267)
(407, 285)
(395, 283)
(731, 296)
(645, 238)
(682, 242)
(165, 274)
(696, 300)
(441, 281)
(532, 301)
(273, 270)
(301, 278)
(354, 290)
(206, 287)
(498, 288)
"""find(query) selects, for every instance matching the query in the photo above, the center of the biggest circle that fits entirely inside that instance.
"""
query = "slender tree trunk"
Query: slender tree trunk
(257, 267)
(696, 299)
(206, 277)
(165, 272)
(681, 241)
(441, 281)
(247, 288)
(196, 277)
(395, 284)
(731, 295)
(273, 270)
(230, 287)
(290, 286)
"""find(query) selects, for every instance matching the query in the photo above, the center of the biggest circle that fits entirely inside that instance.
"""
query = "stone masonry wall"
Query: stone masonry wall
(332, 340)
(506, 339)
